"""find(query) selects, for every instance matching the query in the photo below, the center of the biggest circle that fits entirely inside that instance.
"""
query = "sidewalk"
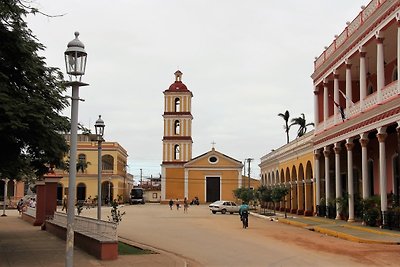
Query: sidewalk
(355, 231)
(22, 244)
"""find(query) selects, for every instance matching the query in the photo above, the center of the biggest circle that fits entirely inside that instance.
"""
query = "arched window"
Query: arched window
(82, 165)
(82, 158)
(177, 105)
(107, 162)
(177, 127)
(81, 192)
(177, 152)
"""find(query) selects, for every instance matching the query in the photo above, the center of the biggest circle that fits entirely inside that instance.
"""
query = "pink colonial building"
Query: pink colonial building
(357, 111)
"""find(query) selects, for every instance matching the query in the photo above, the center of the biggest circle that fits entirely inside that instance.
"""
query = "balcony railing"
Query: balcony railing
(371, 100)
(349, 31)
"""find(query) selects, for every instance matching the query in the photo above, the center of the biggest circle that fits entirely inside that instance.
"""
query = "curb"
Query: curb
(178, 259)
(351, 237)
(370, 230)
(342, 235)
(294, 223)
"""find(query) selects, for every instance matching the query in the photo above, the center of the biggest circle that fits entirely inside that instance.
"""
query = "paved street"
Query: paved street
(218, 240)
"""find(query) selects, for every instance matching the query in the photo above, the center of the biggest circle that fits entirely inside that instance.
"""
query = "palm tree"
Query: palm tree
(301, 122)
(82, 165)
(286, 116)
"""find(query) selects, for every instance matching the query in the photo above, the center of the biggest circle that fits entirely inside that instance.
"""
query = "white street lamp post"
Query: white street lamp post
(5, 196)
(99, 127)
(109, 191)
(75, 62)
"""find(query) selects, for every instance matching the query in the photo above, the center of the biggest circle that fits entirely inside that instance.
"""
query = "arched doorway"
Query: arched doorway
(59, 193)
(81, 192)
(107, 194)
(300, 191)
(309, 190)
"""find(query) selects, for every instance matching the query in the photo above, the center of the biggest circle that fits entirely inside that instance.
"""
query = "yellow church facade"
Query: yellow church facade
(211, 176)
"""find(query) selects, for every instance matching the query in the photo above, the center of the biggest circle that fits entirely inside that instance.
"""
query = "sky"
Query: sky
(244, 61)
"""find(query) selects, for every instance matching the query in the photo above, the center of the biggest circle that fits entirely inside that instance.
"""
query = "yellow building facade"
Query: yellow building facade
(292, 166)
(115, 182)
(211, 176)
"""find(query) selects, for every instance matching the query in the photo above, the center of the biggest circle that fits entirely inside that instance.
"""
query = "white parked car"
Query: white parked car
(224, 206)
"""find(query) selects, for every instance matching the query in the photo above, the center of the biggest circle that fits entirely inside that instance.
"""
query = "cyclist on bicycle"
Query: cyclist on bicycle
(244, 214)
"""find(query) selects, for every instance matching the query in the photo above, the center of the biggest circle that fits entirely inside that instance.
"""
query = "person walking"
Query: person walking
(65, 203)
(185, 205)
(20, 205)
(171, 203)
(177, 204)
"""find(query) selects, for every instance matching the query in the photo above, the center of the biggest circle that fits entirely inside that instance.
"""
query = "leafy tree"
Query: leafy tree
(244, 193)
(286, 116)
(31, 99)
(82, 165)
(264, 195)
(278, 193)
(301, 122)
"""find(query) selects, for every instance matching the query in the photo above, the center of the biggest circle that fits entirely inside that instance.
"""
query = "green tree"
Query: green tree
(301, 122)
(278, 193)
(264, 195)
(286, 117)
(244, 193)
(82, 165)
(31, 99)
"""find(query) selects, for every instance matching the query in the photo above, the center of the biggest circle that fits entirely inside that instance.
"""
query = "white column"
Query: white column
(350, 184)
(336, 95)
(380, 65)
(349, 88)
(163, 183)
(364, 166)
(186, 193)
(316, 107)
(326, 114)
(327, 178)
(317, 178)
(363, 77)
(337, 150)
(381, 135)
(6, 180)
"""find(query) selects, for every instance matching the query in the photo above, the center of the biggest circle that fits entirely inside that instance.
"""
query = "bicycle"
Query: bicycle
(245, 219)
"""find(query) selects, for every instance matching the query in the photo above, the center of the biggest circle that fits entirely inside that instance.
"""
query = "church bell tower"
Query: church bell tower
(177, 138)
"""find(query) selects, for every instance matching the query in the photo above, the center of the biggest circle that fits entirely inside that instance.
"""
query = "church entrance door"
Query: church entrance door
(213, 189)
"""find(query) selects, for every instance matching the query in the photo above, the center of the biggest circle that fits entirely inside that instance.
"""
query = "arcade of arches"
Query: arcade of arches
(298, 176)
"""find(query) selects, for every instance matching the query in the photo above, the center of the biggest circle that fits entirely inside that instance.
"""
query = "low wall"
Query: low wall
(101, 249)
(98, 238)
(28, 218)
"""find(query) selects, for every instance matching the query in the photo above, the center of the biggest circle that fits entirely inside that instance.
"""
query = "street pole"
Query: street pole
(109, 191)
(5, 196)
(99, 128)
(141, 181)
(72, 176)
(248, 166)
(99, 169)
(75, 63)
